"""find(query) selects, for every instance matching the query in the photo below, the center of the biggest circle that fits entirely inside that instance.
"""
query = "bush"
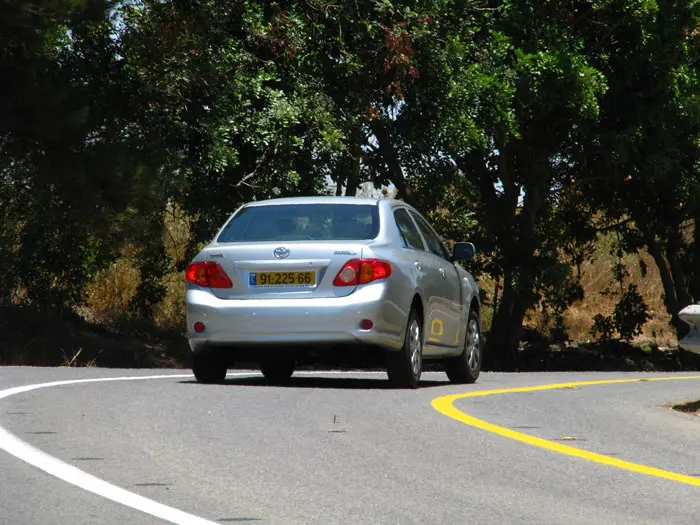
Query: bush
(628, 319)
(630, 313)
(603, 325)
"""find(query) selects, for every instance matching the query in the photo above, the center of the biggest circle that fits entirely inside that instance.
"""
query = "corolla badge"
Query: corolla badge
(281, 252)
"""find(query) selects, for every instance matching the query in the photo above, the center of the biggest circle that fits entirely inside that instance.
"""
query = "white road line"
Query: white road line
(27, 388)
(70, 474)
(73, 475)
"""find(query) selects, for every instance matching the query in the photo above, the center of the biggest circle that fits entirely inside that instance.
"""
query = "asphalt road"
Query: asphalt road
(345, 449)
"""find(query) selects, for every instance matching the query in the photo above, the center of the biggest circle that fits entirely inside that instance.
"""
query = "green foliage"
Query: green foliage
(521, 126)
(496, 114)
(643, 154)
(72, 185)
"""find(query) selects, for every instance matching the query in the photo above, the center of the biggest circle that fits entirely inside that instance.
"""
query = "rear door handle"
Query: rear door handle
(442, 272)
(418, 266)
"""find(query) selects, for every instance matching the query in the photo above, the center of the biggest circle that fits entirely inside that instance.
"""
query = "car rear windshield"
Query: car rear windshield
(299, 222)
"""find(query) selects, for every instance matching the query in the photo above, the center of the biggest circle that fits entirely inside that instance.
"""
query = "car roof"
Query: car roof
(315, 200)
(390, 203)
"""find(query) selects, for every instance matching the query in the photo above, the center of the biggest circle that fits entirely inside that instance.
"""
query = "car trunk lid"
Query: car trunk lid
(270, 270)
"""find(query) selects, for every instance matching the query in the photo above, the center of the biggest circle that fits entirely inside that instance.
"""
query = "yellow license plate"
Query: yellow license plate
(282, 279)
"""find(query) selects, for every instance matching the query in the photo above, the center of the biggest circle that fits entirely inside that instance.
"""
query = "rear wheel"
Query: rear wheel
(466, 367)
(209, 367)
(404, 367)
(277, 371)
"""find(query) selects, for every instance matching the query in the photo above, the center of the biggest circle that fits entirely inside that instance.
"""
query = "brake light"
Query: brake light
(209, 274)
(362, 271)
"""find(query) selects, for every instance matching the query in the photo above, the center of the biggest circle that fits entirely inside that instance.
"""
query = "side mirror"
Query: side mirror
(463, 251)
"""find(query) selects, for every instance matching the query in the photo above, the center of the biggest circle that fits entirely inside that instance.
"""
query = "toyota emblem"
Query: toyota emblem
(281, 252)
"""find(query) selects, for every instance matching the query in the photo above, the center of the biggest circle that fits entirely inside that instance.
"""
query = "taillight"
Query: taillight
(208, 273)
(362, 271)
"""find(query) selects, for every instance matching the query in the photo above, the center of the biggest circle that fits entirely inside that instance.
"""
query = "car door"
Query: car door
(428, 277)
(416, 253)
(444, 316)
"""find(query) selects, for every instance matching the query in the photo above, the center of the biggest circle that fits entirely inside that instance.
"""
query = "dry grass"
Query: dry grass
(170, 313)
(596, 277)
(596, 280)
(109, 296)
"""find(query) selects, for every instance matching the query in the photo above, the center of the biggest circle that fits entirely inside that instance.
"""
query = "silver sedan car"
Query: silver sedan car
(340, 279)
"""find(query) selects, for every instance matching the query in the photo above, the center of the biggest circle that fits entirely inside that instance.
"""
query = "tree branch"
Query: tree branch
(247, 177)
(391, 160)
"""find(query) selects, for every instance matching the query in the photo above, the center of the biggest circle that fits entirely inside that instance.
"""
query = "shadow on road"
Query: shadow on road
(340, 383)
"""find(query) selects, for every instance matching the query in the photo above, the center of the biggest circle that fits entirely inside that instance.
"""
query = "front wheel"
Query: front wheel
(465, 368)
(404, 367)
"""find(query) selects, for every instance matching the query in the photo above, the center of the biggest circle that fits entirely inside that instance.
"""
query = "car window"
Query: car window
(434, 243)
(298, 222)
(409, 232)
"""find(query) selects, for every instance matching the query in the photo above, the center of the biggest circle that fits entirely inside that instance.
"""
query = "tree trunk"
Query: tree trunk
(674, 247)
(339, 186)
(496, 290)
(695, 277)
(391, 159)
(353, 180)
(506, 329)
(680, 280)
(519, 275)
(670, 293)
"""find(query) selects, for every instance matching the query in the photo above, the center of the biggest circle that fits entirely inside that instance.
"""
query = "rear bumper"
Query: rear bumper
(277, 322)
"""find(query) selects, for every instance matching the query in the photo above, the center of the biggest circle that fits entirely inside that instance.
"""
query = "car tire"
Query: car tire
(209, 367)
(465, 368)
(277, 371)
(404, 367)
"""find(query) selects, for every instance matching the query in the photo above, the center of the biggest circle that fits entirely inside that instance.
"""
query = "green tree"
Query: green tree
(258, 99)
(67, 175)
(643, 161)
(219, 90)
(505, 102)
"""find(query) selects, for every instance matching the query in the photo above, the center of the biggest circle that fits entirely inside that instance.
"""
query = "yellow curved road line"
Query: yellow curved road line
(445, 406)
